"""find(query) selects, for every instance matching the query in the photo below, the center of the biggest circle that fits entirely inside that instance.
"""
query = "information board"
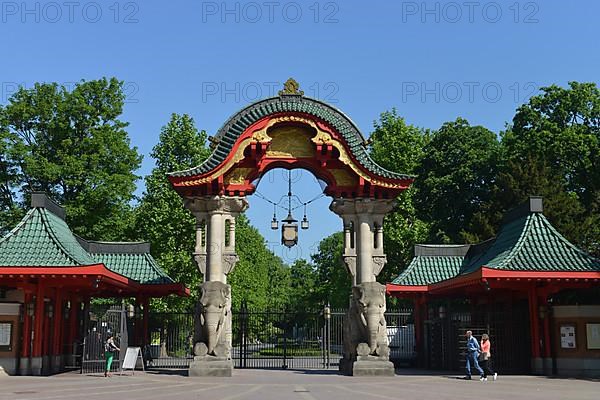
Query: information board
(567, 337)
(131, 357)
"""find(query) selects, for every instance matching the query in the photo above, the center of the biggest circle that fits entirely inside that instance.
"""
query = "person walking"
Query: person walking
(485, 358)
(473, 350)
(109, 352)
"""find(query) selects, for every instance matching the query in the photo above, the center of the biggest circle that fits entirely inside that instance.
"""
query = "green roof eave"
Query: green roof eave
(237, 124)
(42, 239)
(427, 270)
(531, 243)
(139, 267)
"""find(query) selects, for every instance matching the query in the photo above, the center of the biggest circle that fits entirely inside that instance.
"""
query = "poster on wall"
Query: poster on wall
(5, 333)
(567, 337)
(593, 336)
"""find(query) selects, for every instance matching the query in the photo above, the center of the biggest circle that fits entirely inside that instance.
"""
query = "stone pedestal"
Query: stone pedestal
(373, 368)
(211, 366)
(367, 366)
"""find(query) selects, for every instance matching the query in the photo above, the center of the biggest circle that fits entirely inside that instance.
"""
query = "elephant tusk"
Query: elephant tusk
(363, 319)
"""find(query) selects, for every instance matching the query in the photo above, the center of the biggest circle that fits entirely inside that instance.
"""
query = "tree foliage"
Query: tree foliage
(399, 147)
(160, 217)
(456, 177)
(333, 282)
(73, 146)
(553, 149)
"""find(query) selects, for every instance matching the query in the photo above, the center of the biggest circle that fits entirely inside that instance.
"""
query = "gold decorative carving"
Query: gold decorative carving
(291, 87)
(320, 137)
(343, 178)
(237, 176)
(291, 142)
(261, 135)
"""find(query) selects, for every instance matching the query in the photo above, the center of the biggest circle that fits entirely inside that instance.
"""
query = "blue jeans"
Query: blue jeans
(472, 358)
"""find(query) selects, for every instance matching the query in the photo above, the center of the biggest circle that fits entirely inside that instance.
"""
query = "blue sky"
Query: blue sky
(433, 61)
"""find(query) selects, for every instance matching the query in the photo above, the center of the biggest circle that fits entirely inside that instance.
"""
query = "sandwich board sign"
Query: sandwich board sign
(131, 357)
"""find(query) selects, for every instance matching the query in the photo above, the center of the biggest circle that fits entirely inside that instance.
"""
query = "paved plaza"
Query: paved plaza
(301, 385)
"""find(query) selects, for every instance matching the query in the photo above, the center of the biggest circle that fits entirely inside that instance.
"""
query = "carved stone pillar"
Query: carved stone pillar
(366, 217)
(215, 259)
(366, 350)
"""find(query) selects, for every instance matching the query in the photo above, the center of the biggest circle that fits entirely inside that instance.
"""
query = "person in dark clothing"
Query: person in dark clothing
(109, 353)
(484, 361)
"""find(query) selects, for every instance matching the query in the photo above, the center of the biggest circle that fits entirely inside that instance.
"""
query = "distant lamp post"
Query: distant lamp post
(130, 311)
(50, 310)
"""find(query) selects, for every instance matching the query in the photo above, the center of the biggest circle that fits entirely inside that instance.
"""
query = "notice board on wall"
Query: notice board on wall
(567, 337)
(6, 335)
(593, 336)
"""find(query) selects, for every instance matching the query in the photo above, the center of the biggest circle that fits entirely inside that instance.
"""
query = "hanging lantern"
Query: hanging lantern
(289, 231)
(274, 223)
(304, 223)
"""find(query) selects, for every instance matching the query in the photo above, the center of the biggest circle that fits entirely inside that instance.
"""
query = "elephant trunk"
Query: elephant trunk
(373, 328)
(212, 327)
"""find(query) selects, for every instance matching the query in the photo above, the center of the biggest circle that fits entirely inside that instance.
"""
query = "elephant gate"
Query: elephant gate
(291, 131)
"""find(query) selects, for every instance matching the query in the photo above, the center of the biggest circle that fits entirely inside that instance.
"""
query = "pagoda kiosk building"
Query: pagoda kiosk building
(529, 288)
(48, 276)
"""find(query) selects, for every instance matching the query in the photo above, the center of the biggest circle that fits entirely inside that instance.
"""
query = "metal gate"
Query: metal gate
(275, 338)
(506, 324)
(102, 322)
(283, 339)
(171, 340)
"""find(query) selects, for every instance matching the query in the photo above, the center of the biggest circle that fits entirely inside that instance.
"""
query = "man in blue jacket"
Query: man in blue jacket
(473, 351)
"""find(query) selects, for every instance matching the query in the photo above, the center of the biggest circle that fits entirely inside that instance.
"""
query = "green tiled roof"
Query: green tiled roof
(425, 270)
(235, 126)
(526, 242)
(531, 243)
(140, 267)
(42, 239)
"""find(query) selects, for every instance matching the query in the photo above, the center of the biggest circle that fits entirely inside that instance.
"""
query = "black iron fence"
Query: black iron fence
(275, 338)
(171, 340)
(506, 324)
(104, 321)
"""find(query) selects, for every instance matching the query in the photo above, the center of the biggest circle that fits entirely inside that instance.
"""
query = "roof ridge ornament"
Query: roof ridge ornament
(291, 88)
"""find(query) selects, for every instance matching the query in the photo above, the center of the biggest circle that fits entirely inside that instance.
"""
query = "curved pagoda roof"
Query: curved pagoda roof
(526, 243)
(290, 100)
(43, 240)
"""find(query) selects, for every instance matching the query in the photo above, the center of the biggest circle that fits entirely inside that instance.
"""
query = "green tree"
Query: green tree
(160, 217)
(260, 277)
(72, 145)
(333, 281)
(396, 146)
(456, 177)
(304, 291)
(399, 147)
(553, 149)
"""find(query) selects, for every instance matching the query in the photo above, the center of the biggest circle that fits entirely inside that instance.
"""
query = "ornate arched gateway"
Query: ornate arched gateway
(291, 131)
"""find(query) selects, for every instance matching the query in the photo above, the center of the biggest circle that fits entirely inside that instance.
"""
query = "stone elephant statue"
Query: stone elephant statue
(213, 327)
(365, 331)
